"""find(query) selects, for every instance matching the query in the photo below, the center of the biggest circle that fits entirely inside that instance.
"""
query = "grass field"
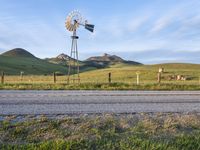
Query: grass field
(102, 132)
(123, 77)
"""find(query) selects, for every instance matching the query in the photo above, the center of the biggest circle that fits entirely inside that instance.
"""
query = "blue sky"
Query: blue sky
(149, 31)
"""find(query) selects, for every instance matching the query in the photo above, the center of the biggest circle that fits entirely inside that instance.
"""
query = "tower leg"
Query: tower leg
(73, 64)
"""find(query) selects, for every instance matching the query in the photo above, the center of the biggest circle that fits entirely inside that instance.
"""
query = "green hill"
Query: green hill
(96, 62)
(14, 65)
(18, 52)
(14, 61)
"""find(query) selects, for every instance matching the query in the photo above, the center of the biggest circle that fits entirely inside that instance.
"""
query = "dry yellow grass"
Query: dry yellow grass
(122, 74)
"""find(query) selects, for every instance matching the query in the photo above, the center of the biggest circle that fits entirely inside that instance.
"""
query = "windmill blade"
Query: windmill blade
(89, 27)
(72, 21)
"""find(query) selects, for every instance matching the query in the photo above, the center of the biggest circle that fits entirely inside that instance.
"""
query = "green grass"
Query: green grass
(123, 78)
(98, 86)
(106, 132)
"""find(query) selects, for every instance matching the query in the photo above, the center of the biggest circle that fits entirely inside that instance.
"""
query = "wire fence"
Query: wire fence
(103, 78)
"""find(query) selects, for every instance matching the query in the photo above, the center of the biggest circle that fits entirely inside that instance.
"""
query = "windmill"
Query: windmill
(73, 22)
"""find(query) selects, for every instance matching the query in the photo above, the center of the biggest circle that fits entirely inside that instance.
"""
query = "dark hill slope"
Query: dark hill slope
(18, 52)
(16, 60)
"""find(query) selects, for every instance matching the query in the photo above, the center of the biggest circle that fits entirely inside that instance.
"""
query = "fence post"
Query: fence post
(138, 77)
(159, 77)
(2, 77)
(54, 77)
(21, 75)
(109, 77)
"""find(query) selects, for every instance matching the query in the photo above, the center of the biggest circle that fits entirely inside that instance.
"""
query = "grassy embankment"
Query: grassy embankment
(134, 131)
(123, 78)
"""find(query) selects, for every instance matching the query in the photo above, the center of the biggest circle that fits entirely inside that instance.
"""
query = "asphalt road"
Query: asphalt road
(77, 102)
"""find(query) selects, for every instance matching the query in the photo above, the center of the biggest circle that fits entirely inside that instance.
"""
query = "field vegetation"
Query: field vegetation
(106, 132)
(122, 77)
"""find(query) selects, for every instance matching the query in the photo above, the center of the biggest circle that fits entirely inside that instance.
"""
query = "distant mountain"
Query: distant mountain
(95, 62)
(61, 59)
(18, 52)
(107, 59)
(16, 60)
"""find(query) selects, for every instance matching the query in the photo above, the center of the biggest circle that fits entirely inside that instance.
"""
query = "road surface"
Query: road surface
(81, 102)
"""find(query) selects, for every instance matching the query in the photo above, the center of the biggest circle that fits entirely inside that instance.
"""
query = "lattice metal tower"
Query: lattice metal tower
(73, 21)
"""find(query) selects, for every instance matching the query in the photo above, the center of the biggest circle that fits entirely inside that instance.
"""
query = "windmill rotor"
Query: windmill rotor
(74, 20)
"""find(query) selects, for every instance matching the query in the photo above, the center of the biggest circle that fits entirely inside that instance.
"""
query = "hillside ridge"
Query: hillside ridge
(18, 52)
(108, 59)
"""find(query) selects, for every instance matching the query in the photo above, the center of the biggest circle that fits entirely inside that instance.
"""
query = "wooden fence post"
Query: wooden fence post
(54, 77)
(109, 77)
(159, 77)
(138, 77)
(2, 77)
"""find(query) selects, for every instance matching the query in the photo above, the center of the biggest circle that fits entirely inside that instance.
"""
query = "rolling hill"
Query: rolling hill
(61, 59)
(108, 60)
(14, 61)
(18, 52)
(95, 62)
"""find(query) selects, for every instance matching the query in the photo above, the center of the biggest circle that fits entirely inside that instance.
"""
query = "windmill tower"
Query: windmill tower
(73, 21)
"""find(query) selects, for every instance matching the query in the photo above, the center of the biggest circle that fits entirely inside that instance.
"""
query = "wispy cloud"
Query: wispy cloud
(135, 23)
(161, 24)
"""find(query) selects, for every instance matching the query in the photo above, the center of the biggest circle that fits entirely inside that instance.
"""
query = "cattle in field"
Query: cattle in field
(177, 77)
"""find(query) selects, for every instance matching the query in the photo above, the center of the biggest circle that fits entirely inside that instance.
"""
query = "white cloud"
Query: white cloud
(167, 17)
(136, 22)
(161, 24)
